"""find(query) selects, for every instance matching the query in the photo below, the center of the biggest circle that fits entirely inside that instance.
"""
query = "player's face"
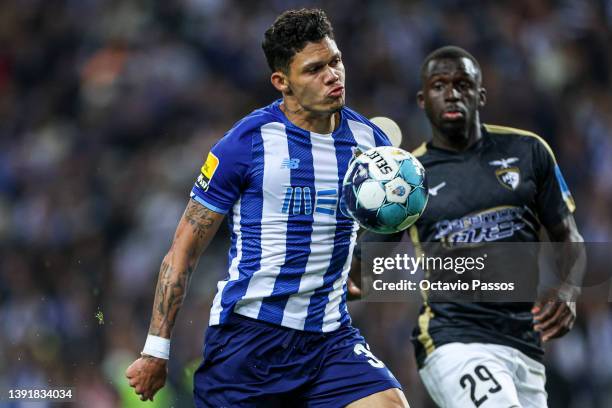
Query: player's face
(316, 77)
(451, 93)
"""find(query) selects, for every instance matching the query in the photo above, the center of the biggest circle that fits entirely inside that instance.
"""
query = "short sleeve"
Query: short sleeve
(380, 138)
(553, 200)
(225, 172)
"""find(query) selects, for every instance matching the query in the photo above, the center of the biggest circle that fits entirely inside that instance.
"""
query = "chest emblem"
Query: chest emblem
(509, 177)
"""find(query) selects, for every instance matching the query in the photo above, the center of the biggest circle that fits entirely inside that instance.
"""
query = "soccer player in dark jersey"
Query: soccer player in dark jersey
(279, 331)
(487, 183)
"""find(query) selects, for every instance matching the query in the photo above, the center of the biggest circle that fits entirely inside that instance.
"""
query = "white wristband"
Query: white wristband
(157, 347)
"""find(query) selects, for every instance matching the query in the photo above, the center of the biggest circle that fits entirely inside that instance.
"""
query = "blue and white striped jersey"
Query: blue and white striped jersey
(291, 247)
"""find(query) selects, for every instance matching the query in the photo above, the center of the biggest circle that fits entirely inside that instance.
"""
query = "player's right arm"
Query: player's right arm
(223, 177)
(195, 230)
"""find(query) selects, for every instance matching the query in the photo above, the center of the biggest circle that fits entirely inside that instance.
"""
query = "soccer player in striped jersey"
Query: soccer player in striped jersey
(487, 183)
(279, 330)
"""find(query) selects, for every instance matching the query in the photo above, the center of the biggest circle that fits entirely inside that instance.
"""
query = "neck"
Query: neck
(312, 121)
(459, 139)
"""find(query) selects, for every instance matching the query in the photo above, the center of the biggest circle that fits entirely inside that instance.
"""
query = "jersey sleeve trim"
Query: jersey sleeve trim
(505, 130)
(565, 192)
(208, 205)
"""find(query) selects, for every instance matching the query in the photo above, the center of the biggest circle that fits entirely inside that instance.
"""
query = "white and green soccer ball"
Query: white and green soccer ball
(384, 189)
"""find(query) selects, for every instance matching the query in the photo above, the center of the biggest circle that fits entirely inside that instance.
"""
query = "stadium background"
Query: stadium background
(107, 109)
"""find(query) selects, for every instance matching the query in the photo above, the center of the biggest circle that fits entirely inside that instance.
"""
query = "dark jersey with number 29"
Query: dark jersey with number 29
(503, 188)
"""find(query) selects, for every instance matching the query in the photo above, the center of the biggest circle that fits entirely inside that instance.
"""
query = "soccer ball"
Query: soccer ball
(384, 189)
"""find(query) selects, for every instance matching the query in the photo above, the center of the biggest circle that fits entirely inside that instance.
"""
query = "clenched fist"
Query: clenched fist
(147, 375)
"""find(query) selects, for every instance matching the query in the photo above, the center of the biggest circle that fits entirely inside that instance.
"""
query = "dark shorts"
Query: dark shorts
(249, 363)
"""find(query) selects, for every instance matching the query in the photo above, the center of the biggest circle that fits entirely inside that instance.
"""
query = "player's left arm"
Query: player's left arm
(354, 282)
(555, 312)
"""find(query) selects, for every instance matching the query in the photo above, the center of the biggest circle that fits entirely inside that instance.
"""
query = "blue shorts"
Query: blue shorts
(249, 363)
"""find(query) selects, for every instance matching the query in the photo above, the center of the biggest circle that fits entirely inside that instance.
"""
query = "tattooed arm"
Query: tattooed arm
(196, 229)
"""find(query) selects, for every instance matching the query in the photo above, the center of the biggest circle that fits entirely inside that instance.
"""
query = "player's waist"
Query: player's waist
(238, 319)
(251, 313)
(311, 268)
(517, 311)
(426, 341)
(506, 324)
(280, 223)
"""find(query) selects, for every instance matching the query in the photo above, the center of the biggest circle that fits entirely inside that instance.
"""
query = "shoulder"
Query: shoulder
(354, 116)
(242, 132)
(510, 135)
(358, 122)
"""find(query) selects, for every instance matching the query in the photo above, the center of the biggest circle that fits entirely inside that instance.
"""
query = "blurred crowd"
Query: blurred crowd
(108, 107)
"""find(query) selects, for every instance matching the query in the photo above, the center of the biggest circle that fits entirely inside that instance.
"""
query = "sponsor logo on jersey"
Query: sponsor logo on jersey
(207, 171)
(488, 225)
(299, 200)
(509, 177)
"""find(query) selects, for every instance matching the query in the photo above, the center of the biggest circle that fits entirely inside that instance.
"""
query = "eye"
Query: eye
(335, 61)
(464, 85)
(438, 86)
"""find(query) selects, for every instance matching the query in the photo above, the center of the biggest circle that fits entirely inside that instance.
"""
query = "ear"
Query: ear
(280, 82)
(420, 99)
(483, 97)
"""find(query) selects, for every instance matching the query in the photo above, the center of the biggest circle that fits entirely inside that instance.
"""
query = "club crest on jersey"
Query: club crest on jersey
(207, 171)
(509, 177)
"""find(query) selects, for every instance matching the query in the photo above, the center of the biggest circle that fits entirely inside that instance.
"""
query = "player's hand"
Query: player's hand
(554, 315)
(147, 375)
(353, 291)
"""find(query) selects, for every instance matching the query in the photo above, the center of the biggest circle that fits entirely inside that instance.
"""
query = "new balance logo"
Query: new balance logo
(289, 163)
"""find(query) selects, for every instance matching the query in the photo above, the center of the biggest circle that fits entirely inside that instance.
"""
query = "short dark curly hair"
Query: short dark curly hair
(290, 33)
(450, 52)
